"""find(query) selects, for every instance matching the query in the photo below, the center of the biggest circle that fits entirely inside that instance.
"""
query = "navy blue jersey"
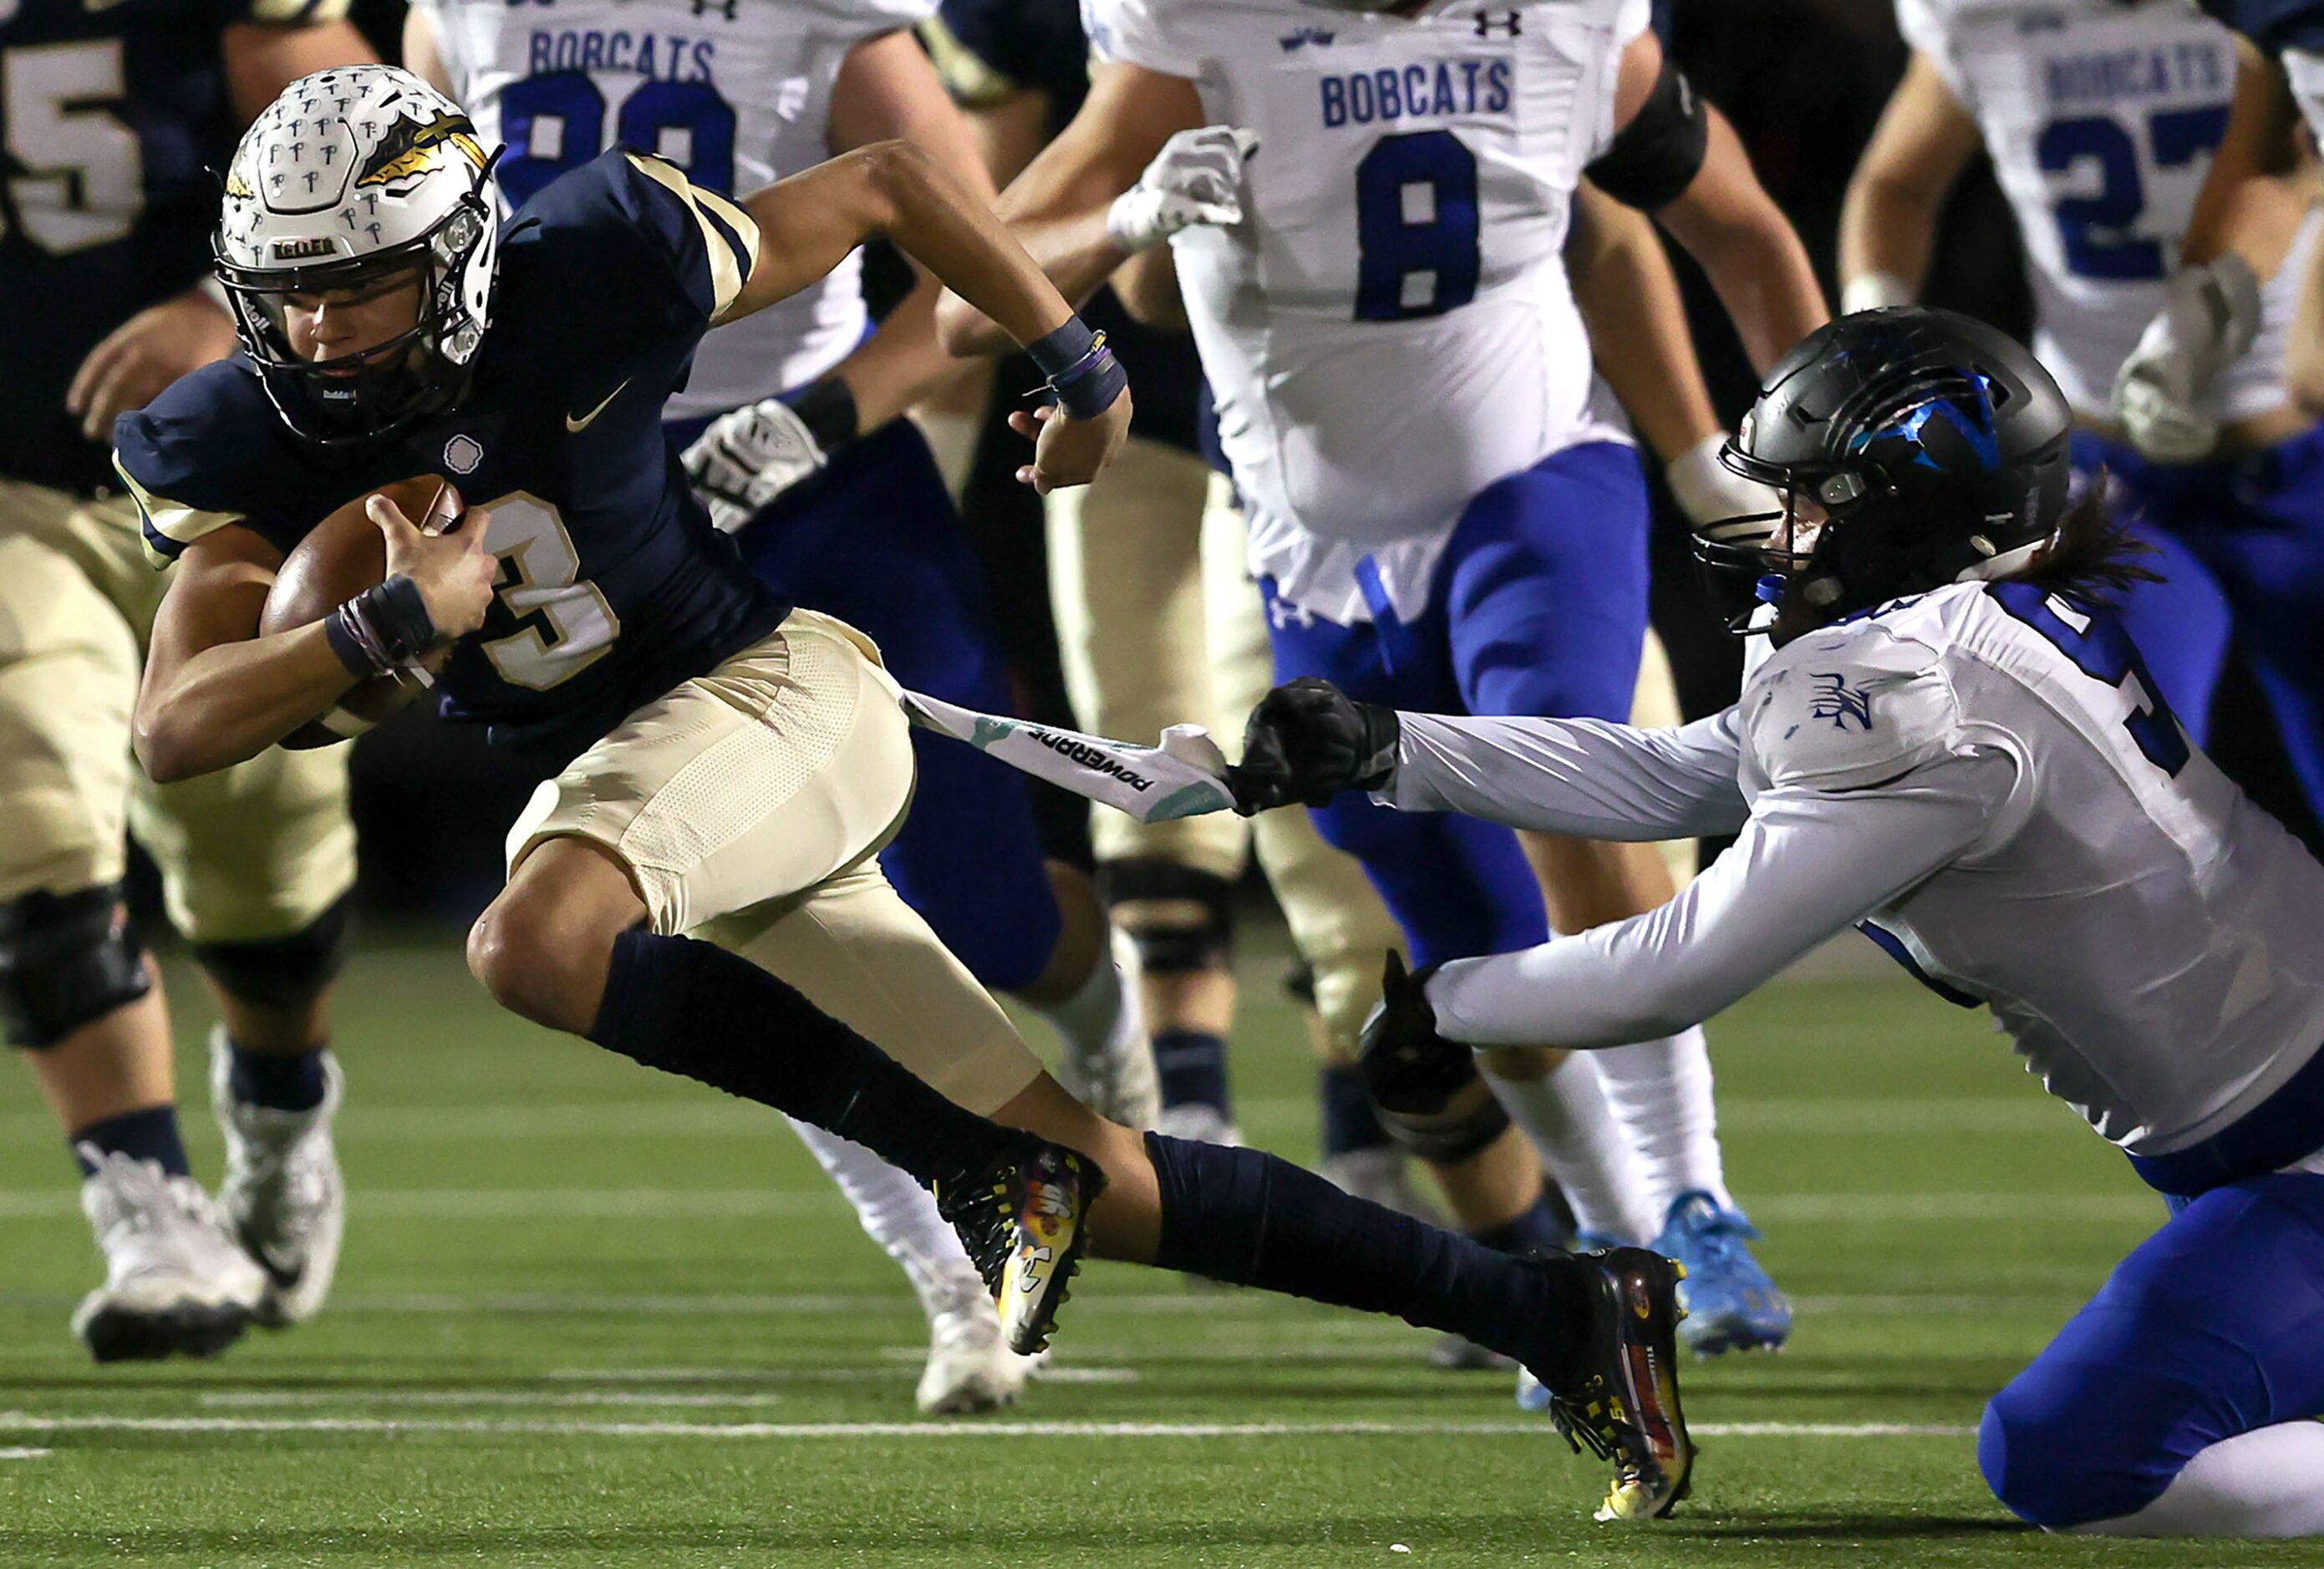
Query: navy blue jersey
(113, 115)
(2275, 25)
(614, 585)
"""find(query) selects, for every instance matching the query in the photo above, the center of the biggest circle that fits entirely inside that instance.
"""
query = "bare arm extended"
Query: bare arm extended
(1729, 224)
(1888, 224)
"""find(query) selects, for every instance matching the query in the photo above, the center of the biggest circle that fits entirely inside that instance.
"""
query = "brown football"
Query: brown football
(340, 557)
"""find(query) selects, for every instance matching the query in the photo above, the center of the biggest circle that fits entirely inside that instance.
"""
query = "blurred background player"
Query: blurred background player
(1157, 622)
(849, 512)
(2102, 120)
(1441, 583)
(113, 117)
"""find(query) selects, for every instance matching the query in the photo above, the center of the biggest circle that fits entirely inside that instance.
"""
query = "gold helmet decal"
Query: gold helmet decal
(410, 148)
(235, 186)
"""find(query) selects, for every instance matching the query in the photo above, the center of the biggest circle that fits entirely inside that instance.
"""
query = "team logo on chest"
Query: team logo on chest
(462, 453)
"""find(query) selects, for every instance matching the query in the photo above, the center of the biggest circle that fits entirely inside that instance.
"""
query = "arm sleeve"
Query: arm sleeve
(1584, 778)
(1133, 31)
(1807, 865)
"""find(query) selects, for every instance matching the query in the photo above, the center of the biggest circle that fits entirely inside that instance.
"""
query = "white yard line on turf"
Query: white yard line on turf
(782, 1375)
(27, 1422)
(25, 1453)
(495, 1205)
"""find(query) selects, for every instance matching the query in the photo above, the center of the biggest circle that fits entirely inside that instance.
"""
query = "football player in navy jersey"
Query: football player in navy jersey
(111, 115)
(696, 889)
(792, 424)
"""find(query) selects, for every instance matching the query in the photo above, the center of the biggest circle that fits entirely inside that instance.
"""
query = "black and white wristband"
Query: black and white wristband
(1080, 371)
(381, 630)
(826, 407)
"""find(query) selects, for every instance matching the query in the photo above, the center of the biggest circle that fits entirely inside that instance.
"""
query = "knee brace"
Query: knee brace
(1416, 1100)
(1182, 920)
(66, 960)
(282, 972)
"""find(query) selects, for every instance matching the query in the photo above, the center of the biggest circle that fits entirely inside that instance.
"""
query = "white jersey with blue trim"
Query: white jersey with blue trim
(1981, 777)
(737, 93)
(2102, 118)
(1390, 328)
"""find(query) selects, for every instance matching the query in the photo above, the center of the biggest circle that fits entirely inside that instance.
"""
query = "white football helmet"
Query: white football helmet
(352, 176)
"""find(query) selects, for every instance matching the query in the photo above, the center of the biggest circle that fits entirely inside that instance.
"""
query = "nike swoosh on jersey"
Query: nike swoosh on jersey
(577, 426)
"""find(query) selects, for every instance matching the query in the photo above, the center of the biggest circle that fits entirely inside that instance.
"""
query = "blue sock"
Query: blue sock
(151, 1135)
(291, 1082)
(1248, 1217)
(1535, 1233)
(1350, 1122)
(689, 1008)
(1193, 1068)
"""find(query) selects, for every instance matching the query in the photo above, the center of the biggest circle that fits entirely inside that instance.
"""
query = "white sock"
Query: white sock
(1086, 1021)
(1661, 1092)
(898, 1214)
(952, 441)
(2266, 1482)
(1565, 1117)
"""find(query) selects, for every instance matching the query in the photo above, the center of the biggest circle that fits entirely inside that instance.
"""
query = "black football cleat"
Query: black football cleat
(1024, 1221)
(1620, 1399)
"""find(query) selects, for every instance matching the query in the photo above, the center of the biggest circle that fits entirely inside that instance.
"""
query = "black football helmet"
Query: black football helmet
(1934, 444)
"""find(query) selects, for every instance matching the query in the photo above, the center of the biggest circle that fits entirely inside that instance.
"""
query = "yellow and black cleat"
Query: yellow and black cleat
(1623, 1404)
(1024, 1221)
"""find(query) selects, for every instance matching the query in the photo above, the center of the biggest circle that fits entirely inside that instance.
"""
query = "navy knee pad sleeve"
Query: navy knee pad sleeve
(66, 960)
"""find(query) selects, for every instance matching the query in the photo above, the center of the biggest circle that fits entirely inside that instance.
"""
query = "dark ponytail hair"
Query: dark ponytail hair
(2096, 558)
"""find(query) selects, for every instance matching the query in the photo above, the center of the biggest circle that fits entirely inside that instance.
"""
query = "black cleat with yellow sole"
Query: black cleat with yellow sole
(1024, 1219)
(1619, 1396)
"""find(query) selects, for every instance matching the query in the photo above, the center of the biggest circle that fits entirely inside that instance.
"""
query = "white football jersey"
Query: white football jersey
(737, 93)
(1980, 777)
(2102, 117)
(1390, 329)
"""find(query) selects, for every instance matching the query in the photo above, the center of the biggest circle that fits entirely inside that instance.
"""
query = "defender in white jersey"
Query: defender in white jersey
(2114, 126)
(855, 519)
(1952, 745)
(1444, 511)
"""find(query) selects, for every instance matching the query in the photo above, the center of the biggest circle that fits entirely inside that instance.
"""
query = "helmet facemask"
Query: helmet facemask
(377, 393)
(1924, 449)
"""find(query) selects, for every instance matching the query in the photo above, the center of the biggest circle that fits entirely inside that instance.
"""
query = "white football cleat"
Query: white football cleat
(283, 1197)
(970, 1367)
(174, 1281)
(1118, 1080)
(1382, 1174)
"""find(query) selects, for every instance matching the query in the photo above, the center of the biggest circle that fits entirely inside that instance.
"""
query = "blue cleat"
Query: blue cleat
(1732, 1304)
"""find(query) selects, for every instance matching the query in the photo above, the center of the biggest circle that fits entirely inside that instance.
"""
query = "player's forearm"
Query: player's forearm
(901, 362)
(937, 223)
(1583, 777)
(1076, 254)
(1631, 302)
(1760, 269)
(1887, 232)
(230, 702)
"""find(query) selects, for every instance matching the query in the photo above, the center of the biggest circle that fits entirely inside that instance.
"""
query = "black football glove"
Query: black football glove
(1307, 742)
(1410, 1069)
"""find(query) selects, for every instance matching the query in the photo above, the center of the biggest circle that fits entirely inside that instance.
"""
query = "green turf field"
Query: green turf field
(590, 1315)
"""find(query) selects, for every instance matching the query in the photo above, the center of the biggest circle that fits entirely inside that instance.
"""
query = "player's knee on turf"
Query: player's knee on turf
(2054, 1465)
(1181, 918)
(284, 974)
(66, 960)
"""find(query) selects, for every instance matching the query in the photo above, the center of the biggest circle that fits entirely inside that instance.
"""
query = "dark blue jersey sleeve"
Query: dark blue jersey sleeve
(210, 451)
(2275, 25)
(655, 251)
